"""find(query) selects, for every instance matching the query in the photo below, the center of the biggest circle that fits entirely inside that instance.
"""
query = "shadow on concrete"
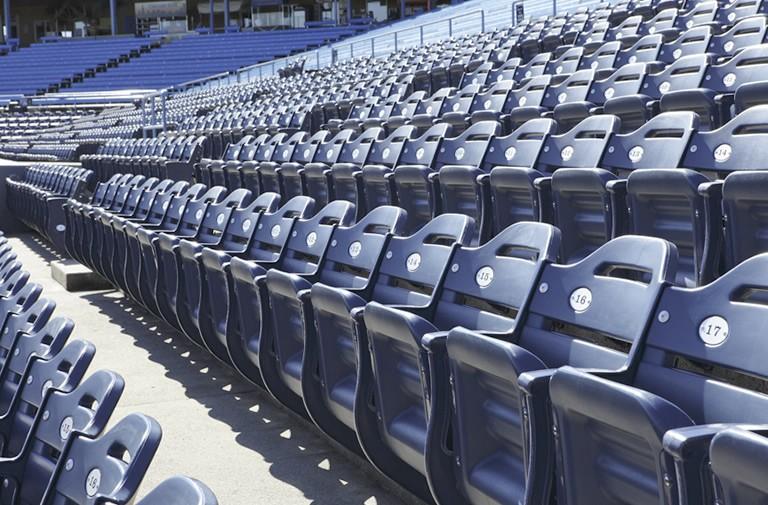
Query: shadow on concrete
(298, 453)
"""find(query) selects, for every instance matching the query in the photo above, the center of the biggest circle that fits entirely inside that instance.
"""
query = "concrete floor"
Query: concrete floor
(216, 427)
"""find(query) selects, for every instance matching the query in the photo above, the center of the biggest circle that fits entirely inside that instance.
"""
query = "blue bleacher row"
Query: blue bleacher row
(194, 57)
(43, 66)
(53, 444)
(469, 374)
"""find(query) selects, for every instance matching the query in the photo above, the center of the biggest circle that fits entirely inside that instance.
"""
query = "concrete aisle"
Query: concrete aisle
(216, 427)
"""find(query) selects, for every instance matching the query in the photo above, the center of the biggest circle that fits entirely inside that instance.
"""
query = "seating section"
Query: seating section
(522, 266)
(194, 57)
(49, 66)
(53, 418)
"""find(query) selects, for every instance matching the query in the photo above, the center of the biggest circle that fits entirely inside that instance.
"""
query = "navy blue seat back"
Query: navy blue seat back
(83, 411)
(660, 143)
(693, 41)
(236, 234)
(737, 145)
(572, 318)
(744, 209)
(306, 247)
(414, 265)
(736, 457)
(109, 468)
(706, 374)
(356, 250)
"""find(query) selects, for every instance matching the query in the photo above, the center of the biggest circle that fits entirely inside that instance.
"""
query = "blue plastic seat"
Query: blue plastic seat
(269, 233)
(573, 318)
(230, 237)
(485, 289)
(149, 211)
(180, 490)
(200, 222)
(467, 189)
(249, 309)
(166, 213)
(108, 468)
(676, 395)
(523, 194)
(590, 205)
(350, 263)
(183, 217)
(83, 411)
(378, 188)
(408, 277)
(736, 457)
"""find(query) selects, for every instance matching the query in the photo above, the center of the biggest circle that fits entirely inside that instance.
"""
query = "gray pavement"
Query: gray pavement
(216, 426)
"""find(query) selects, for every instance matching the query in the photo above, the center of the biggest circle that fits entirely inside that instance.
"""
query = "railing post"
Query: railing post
(143, 114)
(352, 51)
(421, 35)
(396, 32)
(317, 59)
(165, 108)
(482, 20)
(154, 117)
(373, 47)
(450, 27)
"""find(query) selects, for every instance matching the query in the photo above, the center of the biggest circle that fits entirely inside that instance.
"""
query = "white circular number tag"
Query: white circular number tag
(728, 46)
(722, 153)
(456, 107)
(559, 70)
(220, 219)
(275, 231)
(731, 17)
(580, 299)
(246, 225)
(329, 154)
(385, 152)
(567, 153)
(632, 59)
(420, 153)
(60, 228)
(66, 428)
(199, 214)
(285, 153)
(413, 262)
(429, 109)
(561, 97)
(523, 100)
(609, 93)
(165, 205)
(484, 276)
(677, 53)
(594, 65)
(459, 154)
(664, 87)
(713, 331)
(306, 153)
(355, 248)
(92, 482)
(311, 239)
(487, 104)
(510, 153)
(636, 154)
(729, 79)
(356, 153)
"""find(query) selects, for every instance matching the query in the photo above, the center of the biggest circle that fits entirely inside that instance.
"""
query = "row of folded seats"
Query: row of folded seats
(54, 446)
(496, 373)
(668, 178)
(164, 157)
